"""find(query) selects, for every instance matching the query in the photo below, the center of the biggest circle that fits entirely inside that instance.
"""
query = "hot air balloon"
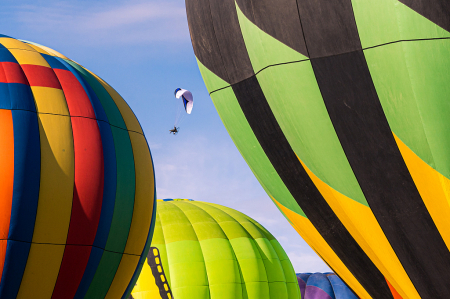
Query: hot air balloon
(204, 250)
(323, 286)
(76, 180)
(340, 109)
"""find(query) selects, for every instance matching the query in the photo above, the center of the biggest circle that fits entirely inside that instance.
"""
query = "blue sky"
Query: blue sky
(143, 50)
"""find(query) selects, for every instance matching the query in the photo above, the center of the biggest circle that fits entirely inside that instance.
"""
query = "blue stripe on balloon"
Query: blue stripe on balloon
(53, 62)
(341, 290)
(16, 96)
(5, 55)
(110, 179)
(320, 281)
(27, 171)
(15, 262)
(109, 197)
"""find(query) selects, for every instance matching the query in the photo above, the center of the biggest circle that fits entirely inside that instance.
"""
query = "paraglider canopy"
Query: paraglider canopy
(186, 96)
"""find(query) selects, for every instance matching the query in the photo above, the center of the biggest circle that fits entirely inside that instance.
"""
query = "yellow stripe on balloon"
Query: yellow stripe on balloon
(12, 43)
(57, 179)
(38, 49)
(434, 188)
(50, 100)
(144, 196)
(43, 259)
(127, 266)
(29, 56)
(309, 233)
(361, 223)
(54, 206)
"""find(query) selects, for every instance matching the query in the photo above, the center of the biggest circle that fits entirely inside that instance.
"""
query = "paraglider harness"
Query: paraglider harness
(174, 131)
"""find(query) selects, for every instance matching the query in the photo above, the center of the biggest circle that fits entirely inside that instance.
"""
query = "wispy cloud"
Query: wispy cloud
(125, 22)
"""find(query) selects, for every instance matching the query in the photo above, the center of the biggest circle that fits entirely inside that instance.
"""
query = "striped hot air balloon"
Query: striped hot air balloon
(202, 250)
(341, 109)
(76, 180)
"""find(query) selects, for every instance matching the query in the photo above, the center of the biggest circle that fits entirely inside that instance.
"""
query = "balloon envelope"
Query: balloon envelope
(205, 250)
(341, 110)
(76, 180)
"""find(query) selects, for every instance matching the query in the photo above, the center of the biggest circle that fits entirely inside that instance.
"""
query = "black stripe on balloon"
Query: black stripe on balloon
(151, 260)
(217, 39)
(358, 118)
(279, 19)
(277, 148)
(329, 27)
(437, 11)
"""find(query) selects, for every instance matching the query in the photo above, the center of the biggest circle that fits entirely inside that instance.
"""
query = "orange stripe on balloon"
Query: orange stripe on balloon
(395, 294)
(6, 179)
(6, 170)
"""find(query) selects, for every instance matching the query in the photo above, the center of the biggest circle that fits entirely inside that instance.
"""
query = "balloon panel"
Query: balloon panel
(339, 108)
(77, 184)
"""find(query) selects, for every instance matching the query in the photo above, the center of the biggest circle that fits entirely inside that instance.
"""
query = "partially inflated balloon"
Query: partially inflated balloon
(341, 110)
(202, 250)
(76, 180)
(323, 286)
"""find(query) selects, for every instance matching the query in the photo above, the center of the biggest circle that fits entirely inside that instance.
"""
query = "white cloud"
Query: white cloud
(128, 22)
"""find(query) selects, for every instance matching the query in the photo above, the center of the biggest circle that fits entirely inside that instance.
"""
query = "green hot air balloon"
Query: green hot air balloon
(341, 109)
(204, 250)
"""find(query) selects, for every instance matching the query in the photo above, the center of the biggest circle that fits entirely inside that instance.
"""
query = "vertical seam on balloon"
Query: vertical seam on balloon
(198, 240)
(251, 238)
(243, 283)
(301, 26)
(217, 42)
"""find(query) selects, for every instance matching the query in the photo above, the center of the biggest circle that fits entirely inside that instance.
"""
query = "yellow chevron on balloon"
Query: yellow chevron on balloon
(369, 236)
(309, 233)
(434, 188)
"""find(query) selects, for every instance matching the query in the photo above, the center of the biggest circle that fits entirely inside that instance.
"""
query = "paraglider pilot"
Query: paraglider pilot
(174, 131)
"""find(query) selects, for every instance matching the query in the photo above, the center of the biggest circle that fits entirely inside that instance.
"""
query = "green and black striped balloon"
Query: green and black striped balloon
(341, 109)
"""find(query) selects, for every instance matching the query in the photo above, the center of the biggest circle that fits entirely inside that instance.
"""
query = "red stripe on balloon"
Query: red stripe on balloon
(71, 271)
(88, 188)
(39, 75)
(3, 244)
(77, 99)
(11, 72)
